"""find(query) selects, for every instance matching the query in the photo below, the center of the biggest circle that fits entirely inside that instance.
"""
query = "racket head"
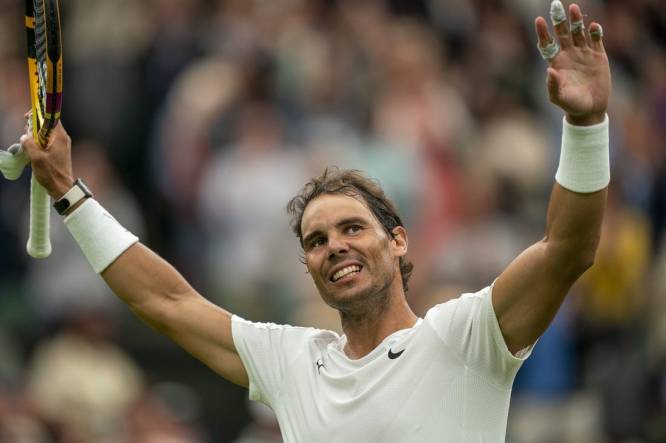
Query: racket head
(42, 22)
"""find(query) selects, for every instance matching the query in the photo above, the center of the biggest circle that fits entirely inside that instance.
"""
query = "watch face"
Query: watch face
(61, 205)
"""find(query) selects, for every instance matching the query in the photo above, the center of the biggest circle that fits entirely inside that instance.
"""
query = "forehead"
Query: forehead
(327, 209)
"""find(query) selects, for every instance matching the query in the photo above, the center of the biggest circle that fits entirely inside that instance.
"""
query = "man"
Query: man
(392, 377)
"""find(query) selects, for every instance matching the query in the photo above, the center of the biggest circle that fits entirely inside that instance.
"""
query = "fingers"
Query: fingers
(542, 32)
(558, 18)
(565, 37)
(58, 139)
(596, 37)
(577, 26)
(28, 122)
(548, 47)
(51, 165)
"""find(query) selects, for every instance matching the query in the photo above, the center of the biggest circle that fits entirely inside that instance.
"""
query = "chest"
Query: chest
(410, 391)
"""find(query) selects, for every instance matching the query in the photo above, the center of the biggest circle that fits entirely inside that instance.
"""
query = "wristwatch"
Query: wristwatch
(75, 194)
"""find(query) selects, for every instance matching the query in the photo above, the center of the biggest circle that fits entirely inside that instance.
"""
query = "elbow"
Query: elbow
(574, 266)
(588, 252)
(586, 261)
(575, 259)
(166, 320)
(161, 311)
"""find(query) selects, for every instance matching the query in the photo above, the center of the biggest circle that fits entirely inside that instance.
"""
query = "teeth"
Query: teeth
(344, 271)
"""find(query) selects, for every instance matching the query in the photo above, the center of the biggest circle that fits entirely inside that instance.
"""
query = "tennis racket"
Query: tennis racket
(42, 24)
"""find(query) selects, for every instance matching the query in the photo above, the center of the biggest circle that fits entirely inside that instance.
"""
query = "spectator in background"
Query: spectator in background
(247, 244)
(150, 419)
(80, 382)
(330, 60)
(263, 429)
(18, 421)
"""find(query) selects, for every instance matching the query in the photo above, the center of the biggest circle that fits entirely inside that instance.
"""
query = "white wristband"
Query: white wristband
(584, 163)
(101, 238)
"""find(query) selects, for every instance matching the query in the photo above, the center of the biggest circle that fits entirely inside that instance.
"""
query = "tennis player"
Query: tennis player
(392, 377)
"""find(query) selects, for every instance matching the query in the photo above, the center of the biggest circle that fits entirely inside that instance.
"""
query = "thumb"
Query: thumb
(553, 81)
(29, 146)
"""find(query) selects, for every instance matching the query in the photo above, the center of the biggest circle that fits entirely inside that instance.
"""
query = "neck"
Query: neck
(366, 330)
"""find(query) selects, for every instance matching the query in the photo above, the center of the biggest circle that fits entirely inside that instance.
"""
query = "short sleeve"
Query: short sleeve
(266, 350)
(468, 325)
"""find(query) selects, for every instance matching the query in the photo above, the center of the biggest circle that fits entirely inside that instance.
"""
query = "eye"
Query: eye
(316, 242)
(354, 229)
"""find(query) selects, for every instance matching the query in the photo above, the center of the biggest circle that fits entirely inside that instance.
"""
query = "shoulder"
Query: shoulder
(466, 302)
(275, 332)
(460, 318)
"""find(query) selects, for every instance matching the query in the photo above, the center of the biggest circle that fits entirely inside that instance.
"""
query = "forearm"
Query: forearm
(142, 279)
(578, 199)
(147, 283)
(156, 292)
(573, 228)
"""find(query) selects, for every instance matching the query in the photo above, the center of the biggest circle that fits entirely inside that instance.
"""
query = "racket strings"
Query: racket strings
(47, 46)
(40, 58)
(40, 32)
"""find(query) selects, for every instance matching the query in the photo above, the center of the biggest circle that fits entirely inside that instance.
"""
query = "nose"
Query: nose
(336, 246)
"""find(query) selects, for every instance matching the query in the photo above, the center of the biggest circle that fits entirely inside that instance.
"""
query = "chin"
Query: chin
(356, 297)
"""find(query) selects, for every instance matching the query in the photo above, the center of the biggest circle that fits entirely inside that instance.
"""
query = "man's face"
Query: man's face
(349, 255)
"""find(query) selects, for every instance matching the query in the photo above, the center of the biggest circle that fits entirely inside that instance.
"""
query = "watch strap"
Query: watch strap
(76, 193)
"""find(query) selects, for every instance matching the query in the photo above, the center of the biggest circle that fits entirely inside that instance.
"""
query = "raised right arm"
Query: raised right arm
(159, 295)
(154, 290)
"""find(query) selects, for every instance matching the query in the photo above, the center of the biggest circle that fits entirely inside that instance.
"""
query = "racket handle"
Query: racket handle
(39, 242)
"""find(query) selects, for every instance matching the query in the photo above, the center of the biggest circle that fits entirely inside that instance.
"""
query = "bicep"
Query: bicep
(528, 294)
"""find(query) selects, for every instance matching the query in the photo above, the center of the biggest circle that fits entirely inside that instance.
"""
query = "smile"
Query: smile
(349, 270)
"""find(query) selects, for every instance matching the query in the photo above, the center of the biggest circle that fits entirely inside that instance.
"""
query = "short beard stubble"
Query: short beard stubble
(371, 303)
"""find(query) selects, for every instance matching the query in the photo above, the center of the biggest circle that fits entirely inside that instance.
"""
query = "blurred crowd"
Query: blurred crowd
(195, 121)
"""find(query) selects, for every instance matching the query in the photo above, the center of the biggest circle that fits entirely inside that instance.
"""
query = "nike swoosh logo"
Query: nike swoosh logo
(393, 355)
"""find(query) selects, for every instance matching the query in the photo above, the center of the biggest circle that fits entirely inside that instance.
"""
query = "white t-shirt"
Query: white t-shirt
(449, 378)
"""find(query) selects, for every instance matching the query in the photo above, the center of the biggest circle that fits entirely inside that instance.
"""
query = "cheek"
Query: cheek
(379, 257)
(312, 267)
(308, 267)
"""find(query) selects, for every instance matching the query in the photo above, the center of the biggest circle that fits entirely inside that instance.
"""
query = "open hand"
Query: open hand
(578, 76)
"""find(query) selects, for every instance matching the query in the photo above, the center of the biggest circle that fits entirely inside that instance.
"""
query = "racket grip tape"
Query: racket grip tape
(39, 243)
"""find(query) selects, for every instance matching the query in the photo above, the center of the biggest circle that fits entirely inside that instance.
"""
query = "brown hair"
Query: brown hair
(352, 183)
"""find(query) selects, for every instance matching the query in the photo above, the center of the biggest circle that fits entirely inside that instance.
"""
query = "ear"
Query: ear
(305, 262)
(399, 241)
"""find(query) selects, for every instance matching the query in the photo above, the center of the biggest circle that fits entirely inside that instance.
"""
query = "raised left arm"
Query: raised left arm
(527, 295)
